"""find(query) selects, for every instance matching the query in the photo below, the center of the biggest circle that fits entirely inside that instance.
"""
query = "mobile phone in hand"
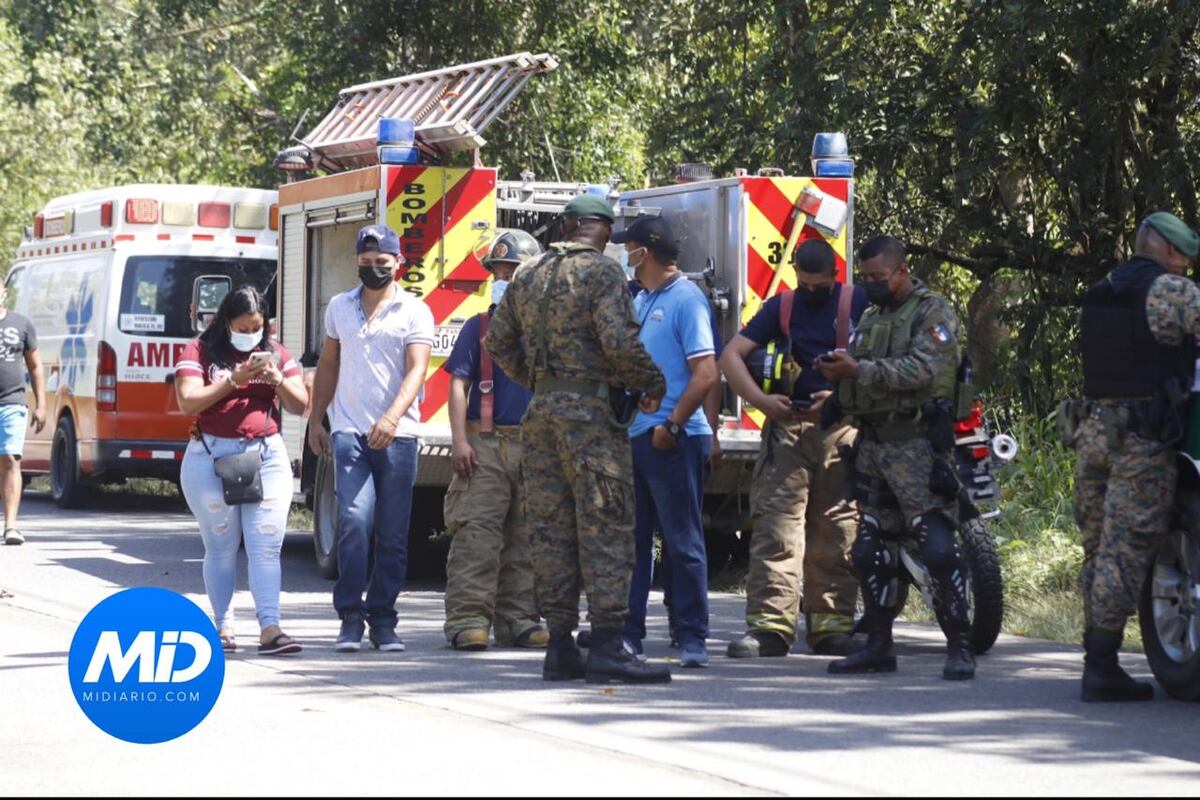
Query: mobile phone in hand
(802, 404)
(827, 358)
(261, 357)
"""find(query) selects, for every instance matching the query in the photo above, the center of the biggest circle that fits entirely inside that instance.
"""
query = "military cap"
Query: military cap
(588, 205)
(1175, 231)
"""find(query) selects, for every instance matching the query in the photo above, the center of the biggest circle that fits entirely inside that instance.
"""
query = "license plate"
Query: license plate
(444, 337)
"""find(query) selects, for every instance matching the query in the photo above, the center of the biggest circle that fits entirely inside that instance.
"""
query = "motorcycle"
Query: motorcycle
(1169, 608)
(975, 455)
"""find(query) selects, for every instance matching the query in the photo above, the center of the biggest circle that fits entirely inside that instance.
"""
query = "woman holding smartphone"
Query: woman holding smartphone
(234, 379)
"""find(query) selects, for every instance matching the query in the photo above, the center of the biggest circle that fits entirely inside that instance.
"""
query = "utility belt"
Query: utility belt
(475, 426)
(1155, 419)
(895, 427)
(623, 404)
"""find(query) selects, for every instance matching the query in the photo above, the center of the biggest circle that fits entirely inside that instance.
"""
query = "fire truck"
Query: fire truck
(116, 281)
(737, 234)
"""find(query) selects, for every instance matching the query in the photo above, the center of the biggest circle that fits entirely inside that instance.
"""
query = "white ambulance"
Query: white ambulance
(116, 281)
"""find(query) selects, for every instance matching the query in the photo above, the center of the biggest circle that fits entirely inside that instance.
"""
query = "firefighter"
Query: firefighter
(573, 311)
(898, 383)
(1137, 335)
(802, 520)
(489, 575)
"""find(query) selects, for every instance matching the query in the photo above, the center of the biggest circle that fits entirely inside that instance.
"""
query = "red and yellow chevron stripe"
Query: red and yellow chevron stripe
(769, 206)
(446, 218)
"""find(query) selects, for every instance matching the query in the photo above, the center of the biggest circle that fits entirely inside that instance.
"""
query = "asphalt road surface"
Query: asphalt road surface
(433, 721)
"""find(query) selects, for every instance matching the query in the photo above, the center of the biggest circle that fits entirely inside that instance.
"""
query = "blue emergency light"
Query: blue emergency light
(831, 156)
(396, 141)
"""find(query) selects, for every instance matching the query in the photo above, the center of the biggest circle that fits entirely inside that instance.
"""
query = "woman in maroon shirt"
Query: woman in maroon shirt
(230, 378)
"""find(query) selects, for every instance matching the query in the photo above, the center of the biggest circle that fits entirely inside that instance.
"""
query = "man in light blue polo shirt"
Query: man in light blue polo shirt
(671, 446)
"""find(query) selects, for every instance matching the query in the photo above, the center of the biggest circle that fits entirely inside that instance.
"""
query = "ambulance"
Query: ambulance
(116, 281)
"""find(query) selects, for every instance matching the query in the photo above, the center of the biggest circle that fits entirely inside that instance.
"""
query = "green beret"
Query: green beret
(588, 205)
(1173, 229)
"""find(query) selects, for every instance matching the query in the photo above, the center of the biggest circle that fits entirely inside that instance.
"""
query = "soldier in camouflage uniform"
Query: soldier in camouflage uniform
(1137, 335)
(897, 383)
(574, 313)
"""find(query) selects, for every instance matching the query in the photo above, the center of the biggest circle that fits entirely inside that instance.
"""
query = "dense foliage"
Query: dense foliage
(1013, 143)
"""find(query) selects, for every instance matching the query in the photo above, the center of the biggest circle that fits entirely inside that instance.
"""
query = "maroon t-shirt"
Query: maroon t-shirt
(245, 412)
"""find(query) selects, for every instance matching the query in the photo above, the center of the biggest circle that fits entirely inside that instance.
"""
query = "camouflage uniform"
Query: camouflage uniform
(576, 467)
(1123, 488)
(896, 464)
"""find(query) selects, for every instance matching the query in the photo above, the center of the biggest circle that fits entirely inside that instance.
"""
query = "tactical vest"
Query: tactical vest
(888, 333)
(1121, 358)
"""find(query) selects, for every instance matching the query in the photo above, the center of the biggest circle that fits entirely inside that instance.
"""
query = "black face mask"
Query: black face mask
(879, 293)
(814, 297)
(375, 277)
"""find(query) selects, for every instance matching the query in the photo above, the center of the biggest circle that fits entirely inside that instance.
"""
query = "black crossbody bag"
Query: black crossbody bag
(241, 473)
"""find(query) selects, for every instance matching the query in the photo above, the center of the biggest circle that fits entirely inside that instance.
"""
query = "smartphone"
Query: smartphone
(802, 404)
(257, 359)
(827, 358)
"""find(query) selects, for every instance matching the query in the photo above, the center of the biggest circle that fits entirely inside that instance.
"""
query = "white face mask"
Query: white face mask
(245, 342)
(498, 288)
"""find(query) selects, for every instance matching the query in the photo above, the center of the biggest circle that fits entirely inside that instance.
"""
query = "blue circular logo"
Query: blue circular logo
(146, 665)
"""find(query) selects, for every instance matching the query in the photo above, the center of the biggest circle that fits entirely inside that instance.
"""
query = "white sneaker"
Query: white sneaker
(13, 536)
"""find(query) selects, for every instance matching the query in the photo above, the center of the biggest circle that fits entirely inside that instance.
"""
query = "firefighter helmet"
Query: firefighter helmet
(514, 246)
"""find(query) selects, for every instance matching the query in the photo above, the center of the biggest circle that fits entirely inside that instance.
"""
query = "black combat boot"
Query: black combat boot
(609, 661)
(1103, 679)
(960, 658)
(564, 661)
(877, 656)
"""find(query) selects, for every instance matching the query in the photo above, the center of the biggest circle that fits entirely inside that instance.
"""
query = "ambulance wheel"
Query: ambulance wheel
(325, 519)
(66, 481)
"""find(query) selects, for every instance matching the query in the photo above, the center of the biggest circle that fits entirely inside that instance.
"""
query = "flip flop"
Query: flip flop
(281, 645)
(228, 643)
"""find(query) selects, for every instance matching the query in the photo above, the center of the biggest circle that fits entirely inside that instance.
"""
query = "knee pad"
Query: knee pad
(876, 559)
(938, 542)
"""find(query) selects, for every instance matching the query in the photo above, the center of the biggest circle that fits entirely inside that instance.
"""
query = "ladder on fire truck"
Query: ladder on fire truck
(449, 107)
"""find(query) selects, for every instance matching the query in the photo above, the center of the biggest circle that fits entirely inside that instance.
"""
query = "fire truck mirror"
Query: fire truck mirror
(207, 293)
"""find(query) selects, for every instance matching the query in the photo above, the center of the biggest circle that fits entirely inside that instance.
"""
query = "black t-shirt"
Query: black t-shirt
(17, 337)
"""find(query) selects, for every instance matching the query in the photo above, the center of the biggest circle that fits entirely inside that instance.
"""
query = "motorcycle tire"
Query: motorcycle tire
(987, 585)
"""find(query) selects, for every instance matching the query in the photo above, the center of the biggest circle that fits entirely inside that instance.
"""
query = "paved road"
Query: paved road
(434, 721)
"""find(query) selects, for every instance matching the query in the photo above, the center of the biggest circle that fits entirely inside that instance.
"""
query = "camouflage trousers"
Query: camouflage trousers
(902, 506)
(489, 575)
(578, 477)
(1123, 498)
(802, 524)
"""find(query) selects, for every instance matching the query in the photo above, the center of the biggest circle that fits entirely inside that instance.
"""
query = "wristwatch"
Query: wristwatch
(673, 428)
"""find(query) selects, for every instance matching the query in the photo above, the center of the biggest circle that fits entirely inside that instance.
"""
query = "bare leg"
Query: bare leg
(10, 489)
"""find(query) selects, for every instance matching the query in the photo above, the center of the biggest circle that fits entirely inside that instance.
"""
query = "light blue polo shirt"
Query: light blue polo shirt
(676, 325)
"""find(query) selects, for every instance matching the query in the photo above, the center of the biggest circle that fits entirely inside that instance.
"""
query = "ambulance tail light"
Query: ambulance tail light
(274, 216)
(106, 379)
(141, 211)
(214, 215)
(106, 214)
(39, 225)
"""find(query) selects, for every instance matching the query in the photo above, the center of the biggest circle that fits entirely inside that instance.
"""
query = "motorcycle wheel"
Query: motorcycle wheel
(987, 586)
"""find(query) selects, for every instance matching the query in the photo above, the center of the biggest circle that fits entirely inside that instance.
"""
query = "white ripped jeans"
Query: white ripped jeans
(222, 527)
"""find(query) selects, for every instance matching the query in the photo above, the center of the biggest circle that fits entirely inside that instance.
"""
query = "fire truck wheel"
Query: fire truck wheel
(325, 519)
(66, 482)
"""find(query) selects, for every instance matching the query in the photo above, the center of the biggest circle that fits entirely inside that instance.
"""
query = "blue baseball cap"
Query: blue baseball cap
(379, 238)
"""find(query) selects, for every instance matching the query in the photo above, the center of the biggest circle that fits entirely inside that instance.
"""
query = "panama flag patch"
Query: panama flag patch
(940, 332)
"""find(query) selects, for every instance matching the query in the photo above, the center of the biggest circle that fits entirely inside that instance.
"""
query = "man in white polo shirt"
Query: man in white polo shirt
(372, 368)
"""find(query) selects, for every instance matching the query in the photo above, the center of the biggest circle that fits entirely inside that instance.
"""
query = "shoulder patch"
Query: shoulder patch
(940, 333)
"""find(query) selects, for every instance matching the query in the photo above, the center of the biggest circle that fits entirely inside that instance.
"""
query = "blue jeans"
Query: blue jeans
(668, 489)
(223, 527)
(374, 492)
